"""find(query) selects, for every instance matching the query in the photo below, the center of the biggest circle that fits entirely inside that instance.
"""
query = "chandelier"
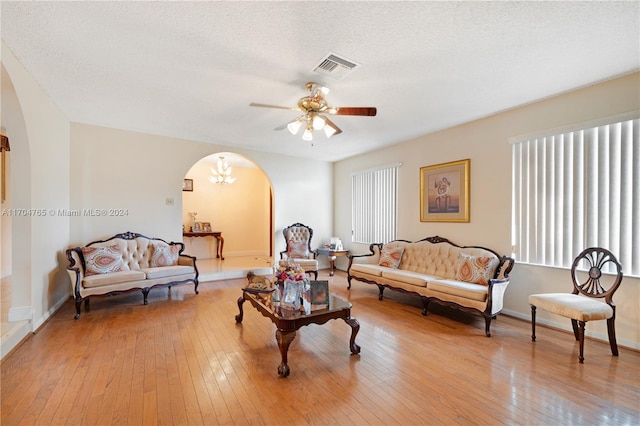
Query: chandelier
(223, 172)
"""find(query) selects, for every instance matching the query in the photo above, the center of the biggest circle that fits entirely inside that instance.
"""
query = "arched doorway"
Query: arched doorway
(242, 211)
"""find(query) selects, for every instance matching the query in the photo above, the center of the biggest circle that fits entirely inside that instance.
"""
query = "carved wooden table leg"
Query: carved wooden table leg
(241, 314)
(220, 246)
(332, 264)
(284, 339)
(355, 327)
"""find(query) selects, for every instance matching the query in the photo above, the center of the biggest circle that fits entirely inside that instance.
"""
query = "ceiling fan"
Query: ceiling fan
(314, 108)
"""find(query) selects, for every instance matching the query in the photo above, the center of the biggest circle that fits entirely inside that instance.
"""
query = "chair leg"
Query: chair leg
(611, 328)
(574, 324)
(581, 325)
(533, 323)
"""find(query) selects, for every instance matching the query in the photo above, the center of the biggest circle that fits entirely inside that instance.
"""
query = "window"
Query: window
(575, 190)
(374, 205)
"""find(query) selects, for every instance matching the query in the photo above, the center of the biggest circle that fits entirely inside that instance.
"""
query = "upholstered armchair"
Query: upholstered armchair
(298, 240)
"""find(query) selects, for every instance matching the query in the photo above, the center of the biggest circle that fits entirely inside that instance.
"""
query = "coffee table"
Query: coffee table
(287, 321)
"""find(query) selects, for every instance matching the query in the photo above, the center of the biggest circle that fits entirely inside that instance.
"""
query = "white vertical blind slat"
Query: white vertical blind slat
(575, 190)
(374, 205)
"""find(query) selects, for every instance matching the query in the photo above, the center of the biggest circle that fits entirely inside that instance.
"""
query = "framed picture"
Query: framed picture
(187, 185)
(444, 192)
(319, 292)
(197, 226)
(206, 227)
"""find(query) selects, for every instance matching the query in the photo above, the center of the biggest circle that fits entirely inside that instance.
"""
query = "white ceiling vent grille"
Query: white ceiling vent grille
(335, 66)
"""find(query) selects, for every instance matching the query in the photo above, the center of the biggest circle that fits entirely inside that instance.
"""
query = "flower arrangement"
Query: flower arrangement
(291, 270)
(193, 216)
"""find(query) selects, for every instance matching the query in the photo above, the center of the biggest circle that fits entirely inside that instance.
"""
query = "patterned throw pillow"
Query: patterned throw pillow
(297, 249)
(477, 270)
(164, 256)
(102, 260)
(391, 256)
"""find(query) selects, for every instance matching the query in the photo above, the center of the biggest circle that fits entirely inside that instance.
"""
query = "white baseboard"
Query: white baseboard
(566, 325)
(22, 313)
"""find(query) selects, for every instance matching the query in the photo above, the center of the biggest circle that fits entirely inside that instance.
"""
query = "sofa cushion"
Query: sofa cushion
(102, 260)
(368, 268)
(458, 288)
(476, 269)
(391, 256)
(297, 249)
(100, 280)
(164, 255)
(166, 271)
(413, 278)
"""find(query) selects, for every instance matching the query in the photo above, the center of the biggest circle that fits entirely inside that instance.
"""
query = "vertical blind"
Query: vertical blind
(576, 190)
(374, 205)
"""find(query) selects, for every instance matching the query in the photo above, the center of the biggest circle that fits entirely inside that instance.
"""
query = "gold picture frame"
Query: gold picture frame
(445, 192)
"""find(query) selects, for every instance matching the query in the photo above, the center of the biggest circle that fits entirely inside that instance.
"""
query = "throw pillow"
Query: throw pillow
(102, 260)
(297, 249)
(164, 255)
(477, 270)
(391, 256)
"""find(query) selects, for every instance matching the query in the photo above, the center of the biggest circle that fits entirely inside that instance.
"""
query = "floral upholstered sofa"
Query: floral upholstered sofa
(127, 262)
(467, 278)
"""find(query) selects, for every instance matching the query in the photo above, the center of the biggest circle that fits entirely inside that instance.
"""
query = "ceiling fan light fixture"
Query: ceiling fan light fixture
(307, 135)
(329, 130)
(318, 122)
(294, 126)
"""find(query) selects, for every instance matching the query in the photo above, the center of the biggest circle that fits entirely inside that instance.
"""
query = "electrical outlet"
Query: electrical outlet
(170, 201)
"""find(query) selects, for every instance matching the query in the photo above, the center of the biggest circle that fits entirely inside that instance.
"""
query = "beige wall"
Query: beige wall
(39, 135)
(486, 143)
(119, 169)
(239, 210)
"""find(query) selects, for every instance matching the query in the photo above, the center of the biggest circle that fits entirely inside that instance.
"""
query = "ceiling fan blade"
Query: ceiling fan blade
(253, 104)
(331, 124)
(366, 111)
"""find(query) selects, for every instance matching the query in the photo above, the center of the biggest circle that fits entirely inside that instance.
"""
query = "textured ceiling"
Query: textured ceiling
(190, 69)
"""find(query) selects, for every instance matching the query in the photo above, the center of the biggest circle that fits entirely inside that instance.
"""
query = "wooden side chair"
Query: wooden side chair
(298, 239)
(590, 281)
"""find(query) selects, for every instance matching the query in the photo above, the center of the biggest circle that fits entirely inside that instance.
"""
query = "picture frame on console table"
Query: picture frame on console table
(206, 227)
(197, 226)
(445, 192)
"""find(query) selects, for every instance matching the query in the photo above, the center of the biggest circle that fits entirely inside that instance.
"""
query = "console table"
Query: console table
(331, 254)
(216, 235)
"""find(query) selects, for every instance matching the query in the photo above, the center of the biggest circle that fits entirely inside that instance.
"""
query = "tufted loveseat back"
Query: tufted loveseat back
(439, 258)
(136, 249)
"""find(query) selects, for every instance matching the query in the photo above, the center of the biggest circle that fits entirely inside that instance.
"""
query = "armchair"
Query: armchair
(581, 305)
(298, 239)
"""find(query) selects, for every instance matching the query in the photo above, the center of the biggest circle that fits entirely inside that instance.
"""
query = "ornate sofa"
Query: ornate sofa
(468, 278)
(127, 262)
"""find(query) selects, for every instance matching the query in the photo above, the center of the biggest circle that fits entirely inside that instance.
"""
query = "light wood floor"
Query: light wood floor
(182, 359)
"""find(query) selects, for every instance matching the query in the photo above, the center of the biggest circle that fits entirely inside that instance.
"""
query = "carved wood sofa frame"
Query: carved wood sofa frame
(500, 278)
(74, 254)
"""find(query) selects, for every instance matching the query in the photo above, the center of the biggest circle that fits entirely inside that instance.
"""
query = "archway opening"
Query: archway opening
(228, 226)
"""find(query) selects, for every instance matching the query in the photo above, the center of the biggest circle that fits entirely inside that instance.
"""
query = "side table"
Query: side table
(331, 254)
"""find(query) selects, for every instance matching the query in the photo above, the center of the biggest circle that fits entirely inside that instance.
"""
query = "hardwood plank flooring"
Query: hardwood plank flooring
(183, 360)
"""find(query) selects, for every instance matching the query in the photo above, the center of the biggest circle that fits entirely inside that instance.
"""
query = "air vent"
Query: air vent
(335, 66)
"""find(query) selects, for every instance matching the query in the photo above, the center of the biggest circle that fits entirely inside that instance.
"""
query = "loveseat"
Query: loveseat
(127, 262)
(468, 278)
